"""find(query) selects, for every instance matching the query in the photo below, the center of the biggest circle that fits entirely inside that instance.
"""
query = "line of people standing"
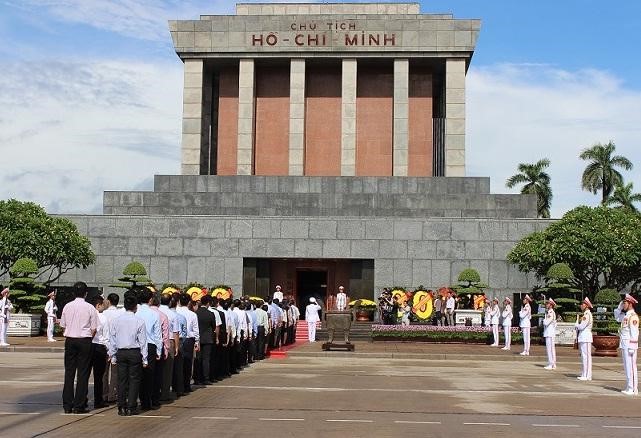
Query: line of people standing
(154, 349)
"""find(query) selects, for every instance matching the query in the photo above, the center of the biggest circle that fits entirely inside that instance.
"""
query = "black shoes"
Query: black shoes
(123, 412)
(67, 411)
(101, 405)
(81, 411)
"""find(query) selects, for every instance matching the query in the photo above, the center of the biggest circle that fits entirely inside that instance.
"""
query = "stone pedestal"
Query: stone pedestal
(24, 324)
(565, 333)
(462, 314)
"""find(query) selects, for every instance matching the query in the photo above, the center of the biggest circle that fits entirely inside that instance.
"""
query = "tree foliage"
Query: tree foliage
(602, 247)
(134, 274)
(54, 243)
(601, 173)
(27, 293)
(624, 197)
(536, 182)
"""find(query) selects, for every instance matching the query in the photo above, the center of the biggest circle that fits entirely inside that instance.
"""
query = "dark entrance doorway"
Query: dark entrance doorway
(310, 283)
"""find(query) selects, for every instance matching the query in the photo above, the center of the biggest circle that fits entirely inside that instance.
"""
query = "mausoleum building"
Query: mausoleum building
(322, 144)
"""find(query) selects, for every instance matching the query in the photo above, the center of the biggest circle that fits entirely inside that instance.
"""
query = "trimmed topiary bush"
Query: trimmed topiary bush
(469, 275)
(28, 294)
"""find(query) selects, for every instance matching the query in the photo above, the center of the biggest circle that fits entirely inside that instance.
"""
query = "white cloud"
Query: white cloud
(69, 131)
(144, 19)
(521, 113)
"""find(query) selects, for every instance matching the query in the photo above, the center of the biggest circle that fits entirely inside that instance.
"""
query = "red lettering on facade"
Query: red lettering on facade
(351, 41)
(389, 39)
(271, 39)
(299, 39)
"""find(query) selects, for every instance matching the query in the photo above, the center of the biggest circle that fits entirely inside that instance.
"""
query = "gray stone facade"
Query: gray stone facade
(208, 249)
(321, 196)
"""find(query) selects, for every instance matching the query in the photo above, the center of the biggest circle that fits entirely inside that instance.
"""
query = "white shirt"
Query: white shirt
(549, 324)
(219, 321)
(192, 322)
(278, 294)
(242, 322)
(5, 309)
(174, 325)
(102, 332)
(629, 331)
(525, 314)
(311, 312)
(112, 312)
(450, 303)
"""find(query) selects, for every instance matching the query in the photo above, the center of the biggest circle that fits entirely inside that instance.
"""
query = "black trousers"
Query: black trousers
(251, 350)
(129, 377)
(233, 356)
(156, 389)
(167, 373)
(203, 363)
(213, 363)
(146, 388)
(222, 366)
(260, 343)
(188, 362)
(98, 367)
(178, 378)
(77, 361)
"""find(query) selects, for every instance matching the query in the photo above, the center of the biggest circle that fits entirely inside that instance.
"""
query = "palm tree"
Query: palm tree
(623, 197)
(600, 174)
(537, 182)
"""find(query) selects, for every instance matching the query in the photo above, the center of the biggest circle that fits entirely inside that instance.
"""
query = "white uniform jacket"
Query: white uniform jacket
(629, 331)
(549, 324)
(525, 314)
(507, 316)
(494, 315)
(584, 326)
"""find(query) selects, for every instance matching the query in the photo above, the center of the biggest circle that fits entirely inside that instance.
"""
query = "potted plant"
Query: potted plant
(469, 287)
(363, 309)
(28, 298)
(606, 328)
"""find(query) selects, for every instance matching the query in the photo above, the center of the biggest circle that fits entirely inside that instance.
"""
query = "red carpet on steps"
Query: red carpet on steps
(301, 338)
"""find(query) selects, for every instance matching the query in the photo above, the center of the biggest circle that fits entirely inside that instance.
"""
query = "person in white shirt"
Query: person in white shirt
(191, 344)
(341, 299)
(51, 310)
(278, 294)
(525, 314)
(549, 333)
(494, 320)
(629, 342)
(507, 315)
(312, 318)
(99, 357)
(110, 380)
(5, 315)
(584, 338)
(296, 313)
(450, 304)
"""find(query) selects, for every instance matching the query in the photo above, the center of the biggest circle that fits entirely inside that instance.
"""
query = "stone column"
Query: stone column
(297, 117)
(246, 94)
(192, 117)
(455, 117)
(348, 118)
(401, 111)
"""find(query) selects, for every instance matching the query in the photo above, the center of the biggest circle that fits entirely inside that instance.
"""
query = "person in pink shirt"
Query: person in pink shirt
(80, 321)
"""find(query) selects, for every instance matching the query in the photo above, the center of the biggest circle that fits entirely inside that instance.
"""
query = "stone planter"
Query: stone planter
(565, 333)
(606, 345)
(24, 324)
(460, 315)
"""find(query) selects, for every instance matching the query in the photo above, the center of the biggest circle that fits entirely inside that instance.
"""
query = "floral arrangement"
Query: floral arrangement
(363, 304)
(222, 291)
(442, 334)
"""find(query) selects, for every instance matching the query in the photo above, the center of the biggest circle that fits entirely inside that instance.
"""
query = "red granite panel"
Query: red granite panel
(420, 122)
(227, 121)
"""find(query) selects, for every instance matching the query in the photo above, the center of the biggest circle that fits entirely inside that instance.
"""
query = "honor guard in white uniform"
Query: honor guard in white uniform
(507, 316)
(549, 333)
(51, 310)
(629, 342)
(5, 315)
(341, 299)
(312, 318)
(525, 314)
(584, 337)
(494, 321)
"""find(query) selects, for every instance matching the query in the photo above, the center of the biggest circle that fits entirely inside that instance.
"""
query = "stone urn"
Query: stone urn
(606, 345)
(364, 314)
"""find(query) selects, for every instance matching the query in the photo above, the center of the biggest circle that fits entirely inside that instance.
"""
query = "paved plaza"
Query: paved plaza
(382, 390)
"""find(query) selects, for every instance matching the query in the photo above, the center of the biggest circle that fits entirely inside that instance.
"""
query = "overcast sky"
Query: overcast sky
(90, 93)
